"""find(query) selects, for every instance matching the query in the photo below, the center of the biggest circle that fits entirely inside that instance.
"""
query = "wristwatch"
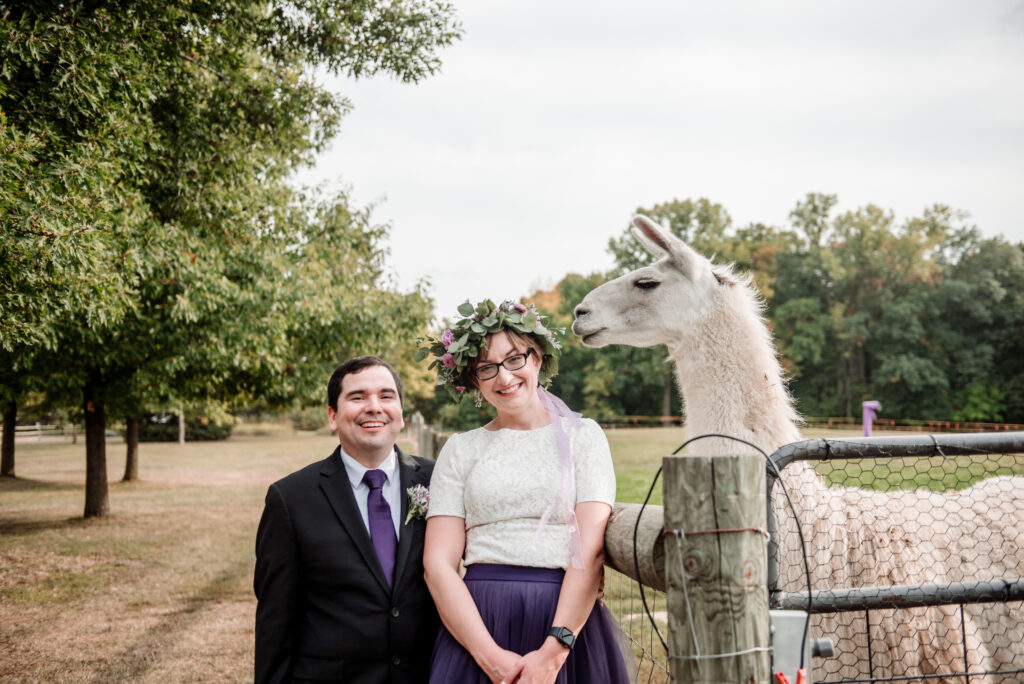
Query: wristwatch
(564, 636)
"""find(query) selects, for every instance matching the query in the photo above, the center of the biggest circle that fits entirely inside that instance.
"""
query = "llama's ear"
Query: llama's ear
(653, 237)
(660, 242)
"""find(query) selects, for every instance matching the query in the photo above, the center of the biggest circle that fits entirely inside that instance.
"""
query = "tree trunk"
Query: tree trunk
(131, 461)
(7, 449)
(666, 396)
(844, 385)
(97, 503)
(181, 423)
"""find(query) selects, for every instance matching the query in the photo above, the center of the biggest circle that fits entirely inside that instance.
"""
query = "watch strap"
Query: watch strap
(564, 636)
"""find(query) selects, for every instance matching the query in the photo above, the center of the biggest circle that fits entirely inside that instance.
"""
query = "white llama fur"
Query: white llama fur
(732, 383)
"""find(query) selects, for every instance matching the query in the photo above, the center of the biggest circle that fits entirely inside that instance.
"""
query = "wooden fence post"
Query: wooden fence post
(430, 442)
(425, 442)
(717, 592)
(181, 423)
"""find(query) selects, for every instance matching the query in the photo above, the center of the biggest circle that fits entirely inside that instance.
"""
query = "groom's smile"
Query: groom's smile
(368, 417)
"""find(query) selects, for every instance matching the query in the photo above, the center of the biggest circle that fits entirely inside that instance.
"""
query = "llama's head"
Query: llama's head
(656, 304)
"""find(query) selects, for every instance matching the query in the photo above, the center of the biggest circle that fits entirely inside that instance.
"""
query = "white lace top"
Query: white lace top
(502, 481)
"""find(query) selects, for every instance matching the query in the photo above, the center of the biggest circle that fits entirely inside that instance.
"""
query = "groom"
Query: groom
(339, 571)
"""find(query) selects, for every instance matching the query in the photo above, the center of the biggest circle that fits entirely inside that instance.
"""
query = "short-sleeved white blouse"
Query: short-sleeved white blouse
(502, 481)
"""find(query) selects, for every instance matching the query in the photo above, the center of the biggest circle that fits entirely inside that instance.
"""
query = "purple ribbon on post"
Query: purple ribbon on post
(868, 409)
(557, 410)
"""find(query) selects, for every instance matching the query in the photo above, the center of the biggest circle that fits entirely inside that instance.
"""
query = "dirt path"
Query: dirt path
(161, 590)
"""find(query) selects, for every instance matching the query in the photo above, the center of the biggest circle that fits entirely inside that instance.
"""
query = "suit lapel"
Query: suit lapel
(411, 475)
(336, 487)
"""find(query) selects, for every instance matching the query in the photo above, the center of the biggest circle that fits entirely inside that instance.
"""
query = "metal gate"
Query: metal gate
(915, 552)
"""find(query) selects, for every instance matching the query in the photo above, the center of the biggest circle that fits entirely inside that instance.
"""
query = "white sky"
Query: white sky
(553, 120)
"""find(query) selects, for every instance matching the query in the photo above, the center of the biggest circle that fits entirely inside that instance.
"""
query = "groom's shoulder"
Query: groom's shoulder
(421, 464)
(427, 463)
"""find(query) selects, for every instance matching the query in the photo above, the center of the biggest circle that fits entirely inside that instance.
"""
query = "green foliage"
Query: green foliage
(463, 415)
(924, 315)
(163, 427)
(152, 247)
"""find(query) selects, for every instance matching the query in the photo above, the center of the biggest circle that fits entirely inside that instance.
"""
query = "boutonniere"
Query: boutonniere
(419, 502)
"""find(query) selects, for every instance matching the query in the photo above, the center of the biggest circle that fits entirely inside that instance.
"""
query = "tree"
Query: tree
(976, 314)
(148, 222)
(914, 314)
(854, 309)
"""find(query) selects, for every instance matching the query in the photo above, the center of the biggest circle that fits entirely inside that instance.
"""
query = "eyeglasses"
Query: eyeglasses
(512, 363)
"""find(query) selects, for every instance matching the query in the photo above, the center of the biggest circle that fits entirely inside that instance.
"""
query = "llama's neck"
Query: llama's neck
(731, 380)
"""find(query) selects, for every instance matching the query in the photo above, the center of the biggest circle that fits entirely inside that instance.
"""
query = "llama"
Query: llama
(731, 381)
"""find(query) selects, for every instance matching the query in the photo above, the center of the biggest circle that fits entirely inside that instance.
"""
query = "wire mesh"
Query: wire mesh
(622, 596)
(936, 523)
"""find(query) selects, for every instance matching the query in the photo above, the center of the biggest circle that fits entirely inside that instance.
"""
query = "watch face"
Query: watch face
(564, 636)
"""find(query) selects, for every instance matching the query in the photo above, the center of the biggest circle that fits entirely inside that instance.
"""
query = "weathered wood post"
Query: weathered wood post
(715, 567)
(430, 442)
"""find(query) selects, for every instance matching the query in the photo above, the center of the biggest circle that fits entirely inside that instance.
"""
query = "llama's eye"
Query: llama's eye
(646, 284)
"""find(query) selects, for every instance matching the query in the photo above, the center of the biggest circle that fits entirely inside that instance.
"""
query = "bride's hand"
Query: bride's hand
(501, 668)
(541, 666)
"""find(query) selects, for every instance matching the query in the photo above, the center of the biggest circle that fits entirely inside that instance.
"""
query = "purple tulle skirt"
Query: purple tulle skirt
(517, 605)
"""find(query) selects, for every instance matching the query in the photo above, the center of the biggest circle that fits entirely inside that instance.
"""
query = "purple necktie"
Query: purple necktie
(382, 527)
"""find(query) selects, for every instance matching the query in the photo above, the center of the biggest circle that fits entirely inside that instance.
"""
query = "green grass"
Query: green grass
(935, 474)
(637, 454)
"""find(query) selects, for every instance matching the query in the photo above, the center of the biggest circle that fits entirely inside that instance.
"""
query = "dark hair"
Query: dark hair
(354, 365)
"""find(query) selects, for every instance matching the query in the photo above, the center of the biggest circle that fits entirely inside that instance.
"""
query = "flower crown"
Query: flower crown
(467, 337)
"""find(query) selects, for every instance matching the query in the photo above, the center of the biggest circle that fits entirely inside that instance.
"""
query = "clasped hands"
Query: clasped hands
(536, 667)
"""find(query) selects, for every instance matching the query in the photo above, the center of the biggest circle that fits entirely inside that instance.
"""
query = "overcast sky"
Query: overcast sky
(552, 121)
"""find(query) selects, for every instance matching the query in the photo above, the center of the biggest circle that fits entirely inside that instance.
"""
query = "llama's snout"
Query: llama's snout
(585, 328)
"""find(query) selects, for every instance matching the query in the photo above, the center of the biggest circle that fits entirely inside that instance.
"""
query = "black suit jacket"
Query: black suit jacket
(325, 611)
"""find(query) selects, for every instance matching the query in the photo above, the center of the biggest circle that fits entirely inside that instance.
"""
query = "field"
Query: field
(161, 590)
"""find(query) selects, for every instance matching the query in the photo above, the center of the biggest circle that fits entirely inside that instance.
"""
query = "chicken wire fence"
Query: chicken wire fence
(915, 550)
(622, 597)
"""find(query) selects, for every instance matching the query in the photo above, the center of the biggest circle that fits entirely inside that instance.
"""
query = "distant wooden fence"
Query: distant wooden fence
(428, 441)
(38, 430)
(850, 423)
(916, 425)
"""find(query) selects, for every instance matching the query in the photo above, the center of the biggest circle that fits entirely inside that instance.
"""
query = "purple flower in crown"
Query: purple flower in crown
(448, 360)
(519, 307)
(447, 338)
(460, 388)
